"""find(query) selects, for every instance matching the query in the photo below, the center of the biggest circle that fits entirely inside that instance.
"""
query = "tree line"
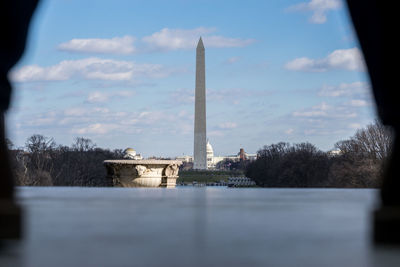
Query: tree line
(44, 163)
(358, 163)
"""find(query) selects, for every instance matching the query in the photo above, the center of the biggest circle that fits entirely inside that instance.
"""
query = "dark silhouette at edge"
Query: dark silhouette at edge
(374, 22)
(15, 16)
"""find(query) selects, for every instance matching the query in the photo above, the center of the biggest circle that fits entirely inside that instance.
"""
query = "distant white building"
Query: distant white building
(212, 160)
(185, 158)
(334, 152)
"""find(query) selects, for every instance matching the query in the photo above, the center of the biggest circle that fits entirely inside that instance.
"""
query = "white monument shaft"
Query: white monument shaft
(200, 130)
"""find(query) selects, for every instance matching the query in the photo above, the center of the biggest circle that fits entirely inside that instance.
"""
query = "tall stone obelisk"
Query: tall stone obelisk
(200, 130)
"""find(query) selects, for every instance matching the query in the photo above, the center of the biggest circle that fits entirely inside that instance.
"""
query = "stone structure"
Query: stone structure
(200, 133)
(143, 173)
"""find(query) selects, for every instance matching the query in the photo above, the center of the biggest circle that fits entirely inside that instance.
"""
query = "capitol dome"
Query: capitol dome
(210, 155)
(209, 149)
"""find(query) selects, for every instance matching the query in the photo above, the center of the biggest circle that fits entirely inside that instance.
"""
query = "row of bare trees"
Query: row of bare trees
(359, 163)
(43, 163)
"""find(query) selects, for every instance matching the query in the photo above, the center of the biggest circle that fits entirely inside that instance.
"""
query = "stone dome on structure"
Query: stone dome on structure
(129, 152)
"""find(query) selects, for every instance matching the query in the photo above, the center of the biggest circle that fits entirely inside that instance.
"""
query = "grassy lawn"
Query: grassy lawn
(207, 176)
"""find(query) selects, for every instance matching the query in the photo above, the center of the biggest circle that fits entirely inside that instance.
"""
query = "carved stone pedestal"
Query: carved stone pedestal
(143, 173)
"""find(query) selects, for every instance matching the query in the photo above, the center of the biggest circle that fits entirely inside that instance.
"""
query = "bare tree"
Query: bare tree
(39, 159)
(83, 144)
(362, 157)
(42, 162)
(285, 165)
(373, 142)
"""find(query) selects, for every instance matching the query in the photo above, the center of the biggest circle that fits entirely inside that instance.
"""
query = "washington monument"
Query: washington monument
(200, 130)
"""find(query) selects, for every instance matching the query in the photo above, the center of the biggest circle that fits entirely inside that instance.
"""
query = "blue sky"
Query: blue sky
(122, 74)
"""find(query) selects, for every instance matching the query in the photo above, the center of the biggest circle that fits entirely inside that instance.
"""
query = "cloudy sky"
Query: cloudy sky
(122, 73)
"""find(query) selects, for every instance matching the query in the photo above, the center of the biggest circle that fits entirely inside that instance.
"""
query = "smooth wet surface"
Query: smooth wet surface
(206, 226)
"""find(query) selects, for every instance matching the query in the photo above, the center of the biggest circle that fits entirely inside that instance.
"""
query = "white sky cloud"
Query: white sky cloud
(215, 133)
(344, 59)
(223, 42)
(345, 89)
(319, 9)
(228, 95)
(78, 111)
(289, 131)
(354, 126)
(232, 60)
(358, 94)
(182, 96)
(175, 39)
(227, 125)
(324, 110)
(96, 128)
(344, 109)
(116, 45)
(164, 40)
(326, 119)
(89, 69)
(358, 103)
(100, 121)
(43, 119)
(98, 97)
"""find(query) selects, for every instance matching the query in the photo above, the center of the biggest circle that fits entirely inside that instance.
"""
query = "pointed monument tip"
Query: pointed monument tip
(200, 43)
